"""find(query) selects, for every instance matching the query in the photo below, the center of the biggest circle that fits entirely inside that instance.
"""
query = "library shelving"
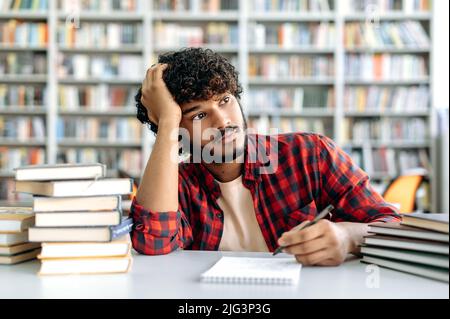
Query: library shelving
(321, 65)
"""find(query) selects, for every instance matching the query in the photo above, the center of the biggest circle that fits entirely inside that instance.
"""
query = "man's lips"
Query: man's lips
(228, 136)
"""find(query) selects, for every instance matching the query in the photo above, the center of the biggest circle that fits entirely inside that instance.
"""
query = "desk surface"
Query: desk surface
(176, 276)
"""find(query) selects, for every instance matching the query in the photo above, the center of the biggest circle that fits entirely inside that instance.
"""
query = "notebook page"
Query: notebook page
(283, 271)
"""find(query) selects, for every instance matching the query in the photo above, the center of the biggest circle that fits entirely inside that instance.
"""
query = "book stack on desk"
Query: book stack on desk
(78, 218)
(14, 245)
(418, 245)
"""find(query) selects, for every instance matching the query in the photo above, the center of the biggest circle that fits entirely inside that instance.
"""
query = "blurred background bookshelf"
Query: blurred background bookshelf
(358, 71)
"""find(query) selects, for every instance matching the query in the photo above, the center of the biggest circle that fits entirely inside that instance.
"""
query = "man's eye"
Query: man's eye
(226, 100)
(199, 116)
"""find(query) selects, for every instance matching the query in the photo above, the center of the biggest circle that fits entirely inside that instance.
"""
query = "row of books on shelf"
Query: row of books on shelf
(6, 5)
(196, 5)
(22, 95)
(272, 66)
(22, 128)
(117, 159)
(382, 6)
(296, 99)
(10, 158)
(23, 63)
(99, 35)
(291, 5)
(109, 66)
(385, 66)
(212, 33)
(389, 161)
(99, 5)
(381, 99)
(98, 97)
(418, 245)
(94, 129)
(388, 129)
(288, 35)
(90, 237)
(405, 34)
(23, 33)
(274, 125)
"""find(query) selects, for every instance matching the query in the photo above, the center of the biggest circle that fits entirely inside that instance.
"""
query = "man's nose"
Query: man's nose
(221, 119)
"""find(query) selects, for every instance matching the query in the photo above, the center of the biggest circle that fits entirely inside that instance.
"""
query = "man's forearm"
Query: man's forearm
(158, 190)
(355, 233)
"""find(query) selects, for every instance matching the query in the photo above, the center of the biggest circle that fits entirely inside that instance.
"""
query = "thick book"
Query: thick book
(76, 204)
(15, 259)
(436, 222)
(15, 219)
(80, 234)
(10, 239)
(17, 249)
(60, 172)
(71, 266)
(413, 256)
(397, 229)
(416, 269)
(111, 186)
(407, 243)
(119, 247)
(78, 219)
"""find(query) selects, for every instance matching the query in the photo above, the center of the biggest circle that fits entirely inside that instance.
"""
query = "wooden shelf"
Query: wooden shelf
(24, 15)
(306, 112)
(290, 82)
(23, 79)
(390, 16)
(107, 113)
(391, 144)
(293, 50)
(291, 17)
(67, 143)
(121, 49)
(22, 110)
(387, 113)
(20, 143)
(229, 16)
(95, 81)
(105, 17)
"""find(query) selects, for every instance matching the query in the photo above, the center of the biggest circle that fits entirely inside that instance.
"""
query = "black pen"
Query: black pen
(322, 214)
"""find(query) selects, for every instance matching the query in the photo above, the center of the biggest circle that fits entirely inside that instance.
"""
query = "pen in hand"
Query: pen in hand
(322, 214)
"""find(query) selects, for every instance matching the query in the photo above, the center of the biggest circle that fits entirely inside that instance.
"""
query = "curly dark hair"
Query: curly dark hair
(194, 74)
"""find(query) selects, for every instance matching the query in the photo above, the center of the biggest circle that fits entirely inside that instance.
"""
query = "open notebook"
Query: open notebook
(243, 270)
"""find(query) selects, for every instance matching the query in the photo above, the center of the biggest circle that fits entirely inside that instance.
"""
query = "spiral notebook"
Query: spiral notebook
(243, 270)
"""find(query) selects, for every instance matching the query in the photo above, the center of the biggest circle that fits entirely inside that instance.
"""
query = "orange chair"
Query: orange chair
(403, 191)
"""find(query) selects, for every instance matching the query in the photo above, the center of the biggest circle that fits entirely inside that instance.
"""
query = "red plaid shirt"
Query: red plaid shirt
(312, 172)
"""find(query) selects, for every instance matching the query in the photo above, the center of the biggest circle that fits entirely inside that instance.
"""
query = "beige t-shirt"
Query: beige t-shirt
(241, 231)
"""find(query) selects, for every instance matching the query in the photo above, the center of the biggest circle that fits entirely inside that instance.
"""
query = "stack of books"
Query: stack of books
(418, 245)
(78, 218)
(14, 245)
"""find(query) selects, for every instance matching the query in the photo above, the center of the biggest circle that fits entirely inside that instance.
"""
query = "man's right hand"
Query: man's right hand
(156, 97)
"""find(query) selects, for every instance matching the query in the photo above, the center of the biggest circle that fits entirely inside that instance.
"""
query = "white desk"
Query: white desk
(176, 276)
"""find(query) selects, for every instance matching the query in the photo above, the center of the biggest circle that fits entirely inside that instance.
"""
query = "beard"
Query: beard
(218, 151)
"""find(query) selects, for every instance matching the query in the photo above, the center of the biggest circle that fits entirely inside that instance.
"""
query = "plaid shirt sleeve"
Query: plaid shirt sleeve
(347, 187)
(158, 233)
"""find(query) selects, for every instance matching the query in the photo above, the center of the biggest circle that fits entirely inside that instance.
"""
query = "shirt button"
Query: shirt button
(219, 215)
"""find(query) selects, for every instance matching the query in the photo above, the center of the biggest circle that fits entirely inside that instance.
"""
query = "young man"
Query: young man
(255, 189)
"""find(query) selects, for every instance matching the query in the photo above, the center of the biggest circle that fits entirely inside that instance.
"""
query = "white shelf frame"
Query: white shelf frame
(147, 17)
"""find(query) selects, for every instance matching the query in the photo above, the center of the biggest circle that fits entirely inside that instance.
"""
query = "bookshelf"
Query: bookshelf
(258, 38)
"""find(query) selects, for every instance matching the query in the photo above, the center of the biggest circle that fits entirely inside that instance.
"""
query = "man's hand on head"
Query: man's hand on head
(157, 99)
